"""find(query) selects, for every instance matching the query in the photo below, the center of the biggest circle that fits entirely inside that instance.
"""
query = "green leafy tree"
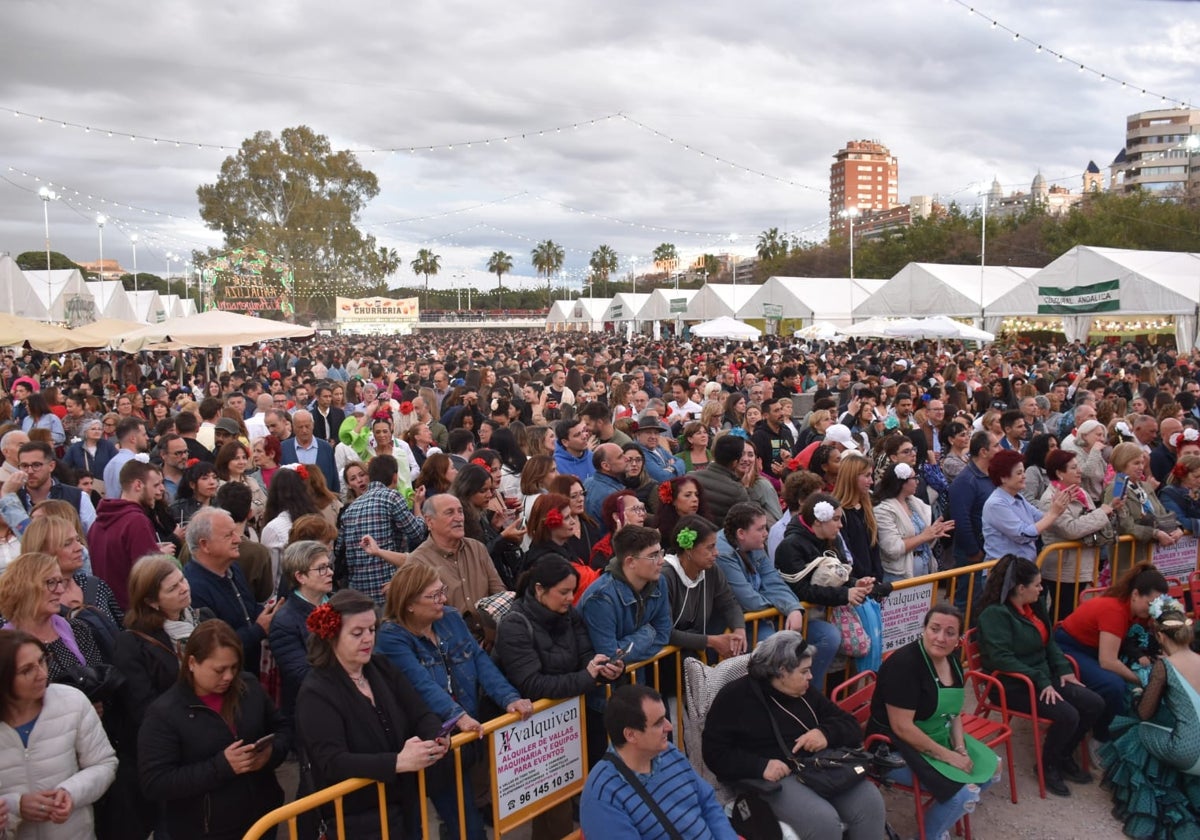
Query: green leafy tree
(772, 245)
(666, 256)
(712, 267)
(548, 257)
(36, 261)
(500, 263)
(297, 199)
(426, 263)
(603, 263)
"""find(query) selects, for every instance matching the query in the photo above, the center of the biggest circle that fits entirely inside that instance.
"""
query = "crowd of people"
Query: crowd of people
(340, 552)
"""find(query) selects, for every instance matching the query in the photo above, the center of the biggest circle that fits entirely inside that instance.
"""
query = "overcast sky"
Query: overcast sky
(775, 87)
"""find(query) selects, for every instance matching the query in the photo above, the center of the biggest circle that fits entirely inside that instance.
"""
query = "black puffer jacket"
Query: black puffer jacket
(181, 761)
(800, 547)
(544, 654)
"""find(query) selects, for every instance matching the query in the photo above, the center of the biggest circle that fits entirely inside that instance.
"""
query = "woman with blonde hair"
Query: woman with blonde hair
(861, 532)
(327, 502)
(535, 480)
(58, 537)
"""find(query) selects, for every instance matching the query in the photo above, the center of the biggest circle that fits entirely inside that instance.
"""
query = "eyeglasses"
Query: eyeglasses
(54, 584)
(636, 509)
(656, 557)
(321, 569)
(439, 595)
(630, 462)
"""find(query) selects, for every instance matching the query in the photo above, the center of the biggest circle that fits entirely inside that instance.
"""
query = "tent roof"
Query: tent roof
(112, 301)
(101, 333)
(587, 310)
(148, 306)
(1152, 282)
(811, 298)
(16, 331)
(921, 289)
(559, 310)
(658, 307)
(17, 296)
(726, 327)
(717, 299)
(631, 305)
(214, 328)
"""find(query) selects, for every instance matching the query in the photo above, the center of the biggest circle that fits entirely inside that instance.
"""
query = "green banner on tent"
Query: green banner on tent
(1080, 300)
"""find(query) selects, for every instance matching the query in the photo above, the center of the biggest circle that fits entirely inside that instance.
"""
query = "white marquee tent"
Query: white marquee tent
(923, 289)
(1150, 283)
(811, 299)
(717, 299)
(658, 307)
(112, 301)
(556, 319)
(587, 314)
(65, 295)
(726, 327)
(17, 296)
(148, 307)
(626, 306)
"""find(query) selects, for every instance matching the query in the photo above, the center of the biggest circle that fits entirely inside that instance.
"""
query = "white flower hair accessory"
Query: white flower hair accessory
(1123, 429)
(823, 511)
(1189, 434)
(903, 472)
(1166, 604)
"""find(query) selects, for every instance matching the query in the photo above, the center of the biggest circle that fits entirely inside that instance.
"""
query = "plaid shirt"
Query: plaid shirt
(382, 513)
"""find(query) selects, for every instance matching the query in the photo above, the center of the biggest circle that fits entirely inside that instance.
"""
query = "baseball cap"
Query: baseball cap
(226, 424)
(837, 433)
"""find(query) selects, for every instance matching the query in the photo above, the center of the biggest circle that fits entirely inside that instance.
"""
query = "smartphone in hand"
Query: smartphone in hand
(448, 727)
(264, 742)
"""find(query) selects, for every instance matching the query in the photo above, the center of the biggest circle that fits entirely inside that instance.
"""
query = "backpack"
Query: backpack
(104, 629)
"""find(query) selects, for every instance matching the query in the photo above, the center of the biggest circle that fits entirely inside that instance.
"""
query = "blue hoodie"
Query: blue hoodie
(577, 465)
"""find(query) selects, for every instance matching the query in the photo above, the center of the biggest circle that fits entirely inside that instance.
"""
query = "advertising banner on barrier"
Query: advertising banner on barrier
(903, 612)
(1179, 560)
(538, 758)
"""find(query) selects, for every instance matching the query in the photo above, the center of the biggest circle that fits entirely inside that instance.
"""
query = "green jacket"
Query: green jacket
(1009, 642)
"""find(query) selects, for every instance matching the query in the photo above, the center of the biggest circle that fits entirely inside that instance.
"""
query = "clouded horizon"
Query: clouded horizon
(771, 87)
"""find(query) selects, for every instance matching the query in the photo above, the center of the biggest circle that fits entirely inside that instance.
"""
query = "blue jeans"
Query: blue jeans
(826, 638)
(941, 816)
(445, 802)
(1110, 686)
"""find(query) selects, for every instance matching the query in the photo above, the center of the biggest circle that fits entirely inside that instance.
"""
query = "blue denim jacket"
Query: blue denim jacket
(451, 676)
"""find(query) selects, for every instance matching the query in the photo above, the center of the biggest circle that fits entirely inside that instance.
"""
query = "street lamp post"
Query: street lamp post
(100, 220)
(982, 252)
(850, 214)
(733, 260)
(47, 196)
(133, 238)
(169, 258)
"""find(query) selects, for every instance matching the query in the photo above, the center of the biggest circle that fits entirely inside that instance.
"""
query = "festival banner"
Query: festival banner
(903, 612)
(1080, 300)
(1179, 560)
(377, 315)
(537, 760)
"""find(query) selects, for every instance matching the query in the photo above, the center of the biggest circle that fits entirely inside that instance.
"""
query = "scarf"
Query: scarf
(1078, 496)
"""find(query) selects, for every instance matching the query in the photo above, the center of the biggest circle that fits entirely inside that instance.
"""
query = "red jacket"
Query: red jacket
(122, 534)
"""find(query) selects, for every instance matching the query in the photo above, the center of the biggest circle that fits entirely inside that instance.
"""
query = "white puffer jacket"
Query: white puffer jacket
(67, 749)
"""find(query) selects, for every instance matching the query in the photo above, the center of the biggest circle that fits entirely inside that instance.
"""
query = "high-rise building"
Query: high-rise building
(864, 177)
(1162, 151)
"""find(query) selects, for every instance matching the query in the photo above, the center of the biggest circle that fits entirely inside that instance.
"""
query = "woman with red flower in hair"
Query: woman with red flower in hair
(357, 716)
(676, 499)
(552, 524)
(288, 498)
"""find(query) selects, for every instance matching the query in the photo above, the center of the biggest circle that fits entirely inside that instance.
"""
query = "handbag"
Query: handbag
(855, 640)
(99, 683)
(826, 570)
(826, 773)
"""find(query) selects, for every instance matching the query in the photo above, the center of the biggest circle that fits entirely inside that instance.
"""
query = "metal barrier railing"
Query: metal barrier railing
(1081, 562)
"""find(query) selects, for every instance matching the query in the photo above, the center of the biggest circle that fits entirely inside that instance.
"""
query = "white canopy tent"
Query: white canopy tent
(171, 305)
(1148, 283)
(148, 307)
(658, 307)
(17, 296)
(819, 331)
(870, 328)
(717, 299)
(65, 294)
(960, 291)
(112, 301)
(937, 326)
(587, 314)
(187, 307)
(214, 328)
(810, 299)
(556, 318)
(626, 306)
(726, 327)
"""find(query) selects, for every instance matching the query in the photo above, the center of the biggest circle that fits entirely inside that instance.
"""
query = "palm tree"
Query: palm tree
(387, 262)
(500, 263)
(772, 245)
(604, 262)
(712, 267)
(426, 263)
(548, 258)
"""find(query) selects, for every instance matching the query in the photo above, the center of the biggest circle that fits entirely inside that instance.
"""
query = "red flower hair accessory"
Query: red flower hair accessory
(324, 622)
(665, 494)
(130, 389)
(479, 462)
(382, 414)
(406, 407)
(554, 519)
(302, 471)
(191, 462)
(1180, 472)
(276, 375)
(795, 464)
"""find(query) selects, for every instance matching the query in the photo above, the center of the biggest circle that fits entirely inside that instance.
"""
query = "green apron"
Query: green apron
(938, 727)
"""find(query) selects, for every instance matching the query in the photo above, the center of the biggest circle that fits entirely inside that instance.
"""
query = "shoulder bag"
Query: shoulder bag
(641, 791)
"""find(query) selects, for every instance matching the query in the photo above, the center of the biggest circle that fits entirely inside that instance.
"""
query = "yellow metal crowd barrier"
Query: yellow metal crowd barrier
(1067, 567)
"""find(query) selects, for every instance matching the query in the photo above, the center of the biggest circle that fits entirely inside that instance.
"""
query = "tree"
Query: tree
(548, 258)
(666, 257)
(500, 263)
(712, 267)
(426, 263)
(772, 245)
(36, 261)
(604, 262)
(299, 201)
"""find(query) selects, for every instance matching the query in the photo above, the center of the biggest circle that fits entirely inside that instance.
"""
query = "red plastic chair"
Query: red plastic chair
(854, 697)
(985, 706)
(1194, 590)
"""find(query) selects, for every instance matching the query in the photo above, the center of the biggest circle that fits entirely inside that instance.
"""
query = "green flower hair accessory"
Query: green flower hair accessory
(409, 494)
(686, 538)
